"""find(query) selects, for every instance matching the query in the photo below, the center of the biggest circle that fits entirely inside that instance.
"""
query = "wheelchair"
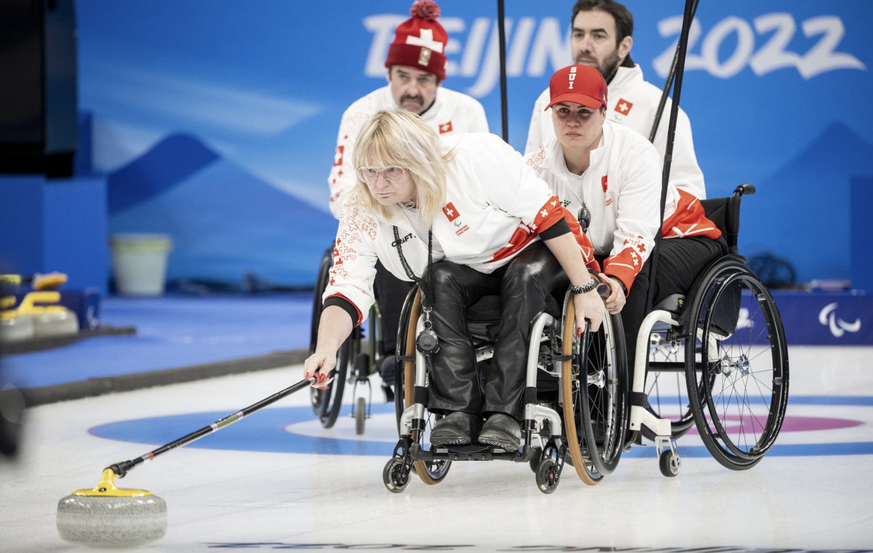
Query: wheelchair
(716, 358)
(357, 360)
(578, 407)
(575, 399)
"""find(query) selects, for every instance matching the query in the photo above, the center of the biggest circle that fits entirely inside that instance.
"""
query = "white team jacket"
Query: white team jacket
(622, 190)
(633, 102)
(451, 112)
(495, 207)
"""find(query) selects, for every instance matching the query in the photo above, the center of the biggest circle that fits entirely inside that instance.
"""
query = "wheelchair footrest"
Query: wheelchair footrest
(472, 452)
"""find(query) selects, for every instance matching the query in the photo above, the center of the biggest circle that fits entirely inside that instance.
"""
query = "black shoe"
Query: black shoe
(456, 429)
(389, 393)
(501, 431)
(387, 368)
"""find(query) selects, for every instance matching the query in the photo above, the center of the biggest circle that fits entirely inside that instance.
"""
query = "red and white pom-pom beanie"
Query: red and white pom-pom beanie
(420, 42)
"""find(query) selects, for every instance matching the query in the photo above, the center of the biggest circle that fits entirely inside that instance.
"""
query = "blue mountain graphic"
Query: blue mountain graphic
(170, 161)
(801, 212)
(226, 222)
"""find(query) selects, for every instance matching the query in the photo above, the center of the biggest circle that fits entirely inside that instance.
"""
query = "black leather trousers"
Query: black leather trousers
(525, 286)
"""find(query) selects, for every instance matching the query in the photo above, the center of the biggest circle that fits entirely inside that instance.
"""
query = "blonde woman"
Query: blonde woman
(490, 226)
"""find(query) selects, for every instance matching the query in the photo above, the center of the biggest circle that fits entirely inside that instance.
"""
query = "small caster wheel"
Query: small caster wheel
(547, 475)
(392, 476)
(360, 416)
(669, 464)
(535, 460)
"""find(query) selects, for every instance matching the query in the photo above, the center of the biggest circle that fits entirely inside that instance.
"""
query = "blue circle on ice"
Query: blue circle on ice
(296, 430)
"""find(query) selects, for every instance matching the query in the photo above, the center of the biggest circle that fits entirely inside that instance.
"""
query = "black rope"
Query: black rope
(501, 32)
(425, 290)
(681, 49)
(665, 93)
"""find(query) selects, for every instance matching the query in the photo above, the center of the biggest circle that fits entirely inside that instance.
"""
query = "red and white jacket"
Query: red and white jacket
(451, 112)
(495, 207)
(633, 102)
(622, 190)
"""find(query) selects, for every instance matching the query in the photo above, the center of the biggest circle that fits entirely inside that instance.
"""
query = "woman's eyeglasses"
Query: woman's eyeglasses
(370, 174)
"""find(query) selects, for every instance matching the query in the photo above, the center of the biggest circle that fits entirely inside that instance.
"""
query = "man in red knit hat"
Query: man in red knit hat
(416, 69)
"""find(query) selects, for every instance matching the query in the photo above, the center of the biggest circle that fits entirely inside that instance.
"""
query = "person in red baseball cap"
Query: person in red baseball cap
(416, 64)
(612, 173)
(601, 37)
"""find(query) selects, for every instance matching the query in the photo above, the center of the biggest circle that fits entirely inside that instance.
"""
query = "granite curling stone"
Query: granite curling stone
(111, 517)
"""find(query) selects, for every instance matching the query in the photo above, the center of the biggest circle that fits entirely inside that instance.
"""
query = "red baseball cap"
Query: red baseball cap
(578, 84)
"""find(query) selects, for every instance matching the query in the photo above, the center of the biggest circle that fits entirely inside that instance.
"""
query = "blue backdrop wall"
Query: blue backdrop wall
(216, 121)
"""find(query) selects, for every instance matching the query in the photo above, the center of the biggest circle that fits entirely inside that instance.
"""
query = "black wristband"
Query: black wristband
(575, 290)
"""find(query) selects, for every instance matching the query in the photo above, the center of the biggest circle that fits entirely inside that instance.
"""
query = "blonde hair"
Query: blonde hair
(402, 139)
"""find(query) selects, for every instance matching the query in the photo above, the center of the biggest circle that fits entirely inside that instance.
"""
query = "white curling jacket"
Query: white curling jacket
(633, 102)
(622, 190)
(495, 207)
(451, 113)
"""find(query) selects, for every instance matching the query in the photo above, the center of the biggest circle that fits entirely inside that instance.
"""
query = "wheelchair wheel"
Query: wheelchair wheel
(326, 403)
(666, 389)
(404, 387)
(736, 365)
(594, 394)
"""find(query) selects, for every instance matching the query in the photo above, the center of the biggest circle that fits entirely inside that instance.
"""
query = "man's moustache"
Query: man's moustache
(416, 99)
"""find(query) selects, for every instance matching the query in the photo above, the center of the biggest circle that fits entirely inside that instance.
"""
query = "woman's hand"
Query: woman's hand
(588, 306)
(317, 369)
(334, 327)
(616, 299)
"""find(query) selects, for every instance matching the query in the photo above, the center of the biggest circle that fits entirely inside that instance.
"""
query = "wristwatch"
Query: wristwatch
(575, 290)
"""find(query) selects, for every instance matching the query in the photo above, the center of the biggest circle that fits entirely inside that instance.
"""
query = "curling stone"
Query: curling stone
(43, 320)
(111, 517)
(15, 327)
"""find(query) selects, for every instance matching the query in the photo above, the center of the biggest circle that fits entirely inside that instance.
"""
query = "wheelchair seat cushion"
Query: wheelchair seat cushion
(672, 303)
(487, 309)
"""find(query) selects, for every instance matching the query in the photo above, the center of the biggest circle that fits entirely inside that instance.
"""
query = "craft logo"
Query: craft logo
(603, 184)
(338, 156)
(837, 326)
(401, 241)
(446, 127)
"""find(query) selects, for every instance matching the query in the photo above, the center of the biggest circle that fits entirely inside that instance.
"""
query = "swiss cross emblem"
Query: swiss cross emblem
(623, 106)
(427, 43)
(338, 156)
(603, 183)
(451, 212)
(446, 127)
(425, 40)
